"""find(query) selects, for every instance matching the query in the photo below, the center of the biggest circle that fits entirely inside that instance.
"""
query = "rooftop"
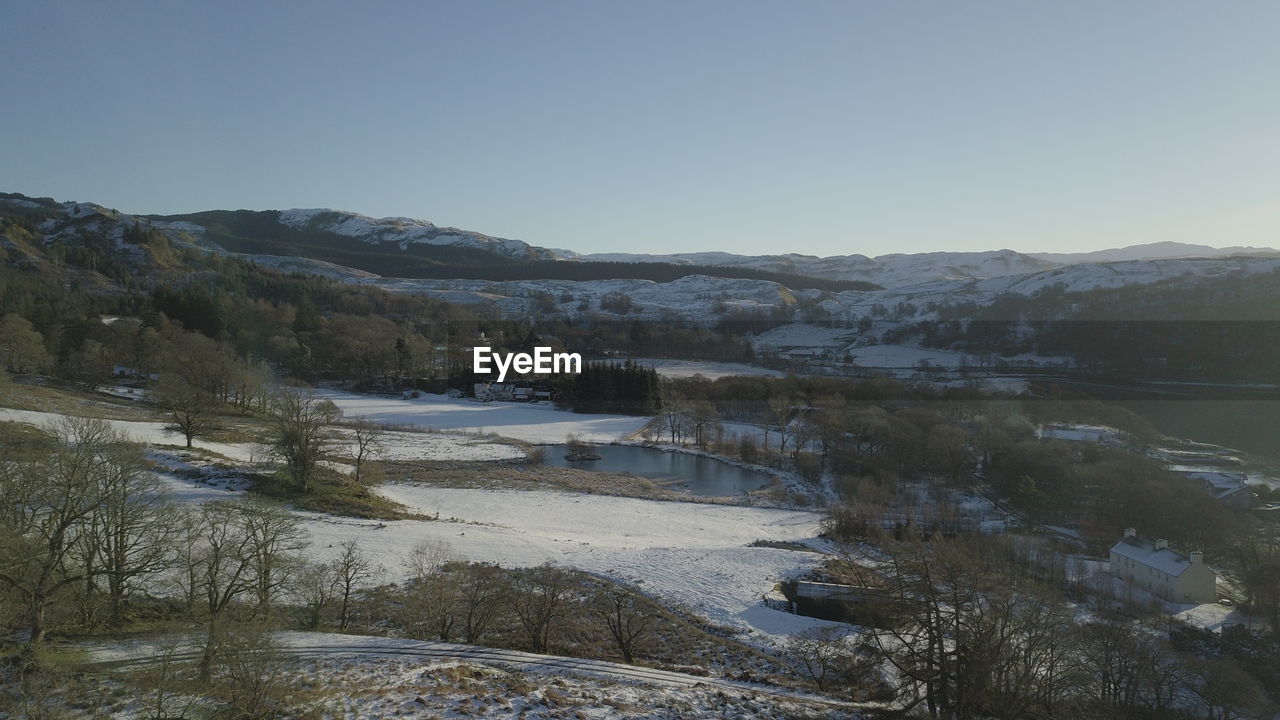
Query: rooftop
(1163, 559)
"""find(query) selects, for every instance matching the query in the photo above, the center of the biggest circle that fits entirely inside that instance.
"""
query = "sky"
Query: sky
(822, 128)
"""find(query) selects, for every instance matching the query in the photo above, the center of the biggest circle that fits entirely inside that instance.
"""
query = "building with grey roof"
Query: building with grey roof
(1163, 571)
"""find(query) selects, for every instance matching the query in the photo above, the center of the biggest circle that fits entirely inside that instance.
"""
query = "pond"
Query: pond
(695, 474)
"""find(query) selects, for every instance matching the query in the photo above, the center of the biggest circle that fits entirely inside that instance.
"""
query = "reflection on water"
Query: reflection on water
(699, 475)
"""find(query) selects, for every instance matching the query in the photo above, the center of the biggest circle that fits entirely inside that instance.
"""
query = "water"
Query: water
(697, 474)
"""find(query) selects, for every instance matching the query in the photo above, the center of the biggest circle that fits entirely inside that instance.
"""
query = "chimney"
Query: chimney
(1162, 544)
(1197, 557)
(1130, 533)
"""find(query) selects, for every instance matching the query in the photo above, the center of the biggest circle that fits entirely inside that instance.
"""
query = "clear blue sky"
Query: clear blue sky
(814, 127)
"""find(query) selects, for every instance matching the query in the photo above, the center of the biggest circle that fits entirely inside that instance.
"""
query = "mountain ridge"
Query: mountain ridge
(338, 236)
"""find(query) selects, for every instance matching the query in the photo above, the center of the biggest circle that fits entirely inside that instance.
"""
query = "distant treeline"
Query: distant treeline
(657, 272)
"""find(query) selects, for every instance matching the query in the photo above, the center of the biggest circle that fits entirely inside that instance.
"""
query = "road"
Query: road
(123, 658)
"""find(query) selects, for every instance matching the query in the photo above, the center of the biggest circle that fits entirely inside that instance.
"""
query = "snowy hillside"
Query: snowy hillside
(404, 232)
(916, 285)
(707, 300)
(1152, 251)
(887, 270)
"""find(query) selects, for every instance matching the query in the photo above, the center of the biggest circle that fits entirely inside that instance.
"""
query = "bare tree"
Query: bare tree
(626, 618)
(191, 410)
(300, 433)
(702, 418)
(820, 654)
(366, 444)
(245, 548)
(315, 589)
(223, 567)
(351, 570)
(428, 557)
(48, 506)
(252, 673)
(538, 597)
(481, 592)
(130, 537)
(781, 408)
(431, 606)
(274, 539)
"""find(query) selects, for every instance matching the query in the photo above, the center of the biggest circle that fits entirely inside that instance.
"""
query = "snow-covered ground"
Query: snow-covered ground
(695, 555)
(392, 445)
(797, 335)
(396, 445)
(692, 554)
(147, 433)
(706, 368)
(363, 678)
(540, 423)
(910, 357)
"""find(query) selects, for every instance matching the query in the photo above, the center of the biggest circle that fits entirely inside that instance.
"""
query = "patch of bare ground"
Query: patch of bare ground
(27, 394)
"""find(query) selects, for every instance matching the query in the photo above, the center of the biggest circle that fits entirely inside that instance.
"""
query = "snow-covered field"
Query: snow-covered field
(397, 445)
(797, 335)
(392, 445)
(540, 423)
(706, 368)
(147, 433)
(692, 554)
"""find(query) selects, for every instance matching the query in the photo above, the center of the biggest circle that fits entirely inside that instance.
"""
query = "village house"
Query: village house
(1163, 571)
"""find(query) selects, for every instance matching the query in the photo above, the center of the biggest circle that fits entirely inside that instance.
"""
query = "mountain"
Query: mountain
(895, 270)
(413, 256)
(1152, 251)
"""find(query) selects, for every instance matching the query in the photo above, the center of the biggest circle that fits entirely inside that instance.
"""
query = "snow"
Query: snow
(125, 392)
(692, 554)
(706, 368)
(1077, 433)
(894, 270)
(535, 423)
(147, 433)
(367, 677)
(1210, 616)
(1164, 560)
(396, 445)
(21, 202)
(695, 555)
(804, 335)
(392, 445)
(402, 231)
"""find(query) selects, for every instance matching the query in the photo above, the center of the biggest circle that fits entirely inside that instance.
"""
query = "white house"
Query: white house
(1163, 571)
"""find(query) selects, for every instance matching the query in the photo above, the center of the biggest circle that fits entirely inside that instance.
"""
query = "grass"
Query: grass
(524, 475)
(333, 494)
(22, 395)
(19, 441)
(676, 640)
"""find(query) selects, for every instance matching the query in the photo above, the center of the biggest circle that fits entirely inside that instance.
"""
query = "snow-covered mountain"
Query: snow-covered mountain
(708, 300)
(404, 232)
(1152, 251)
(915, 285)
(903, 269)
(894, 270)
